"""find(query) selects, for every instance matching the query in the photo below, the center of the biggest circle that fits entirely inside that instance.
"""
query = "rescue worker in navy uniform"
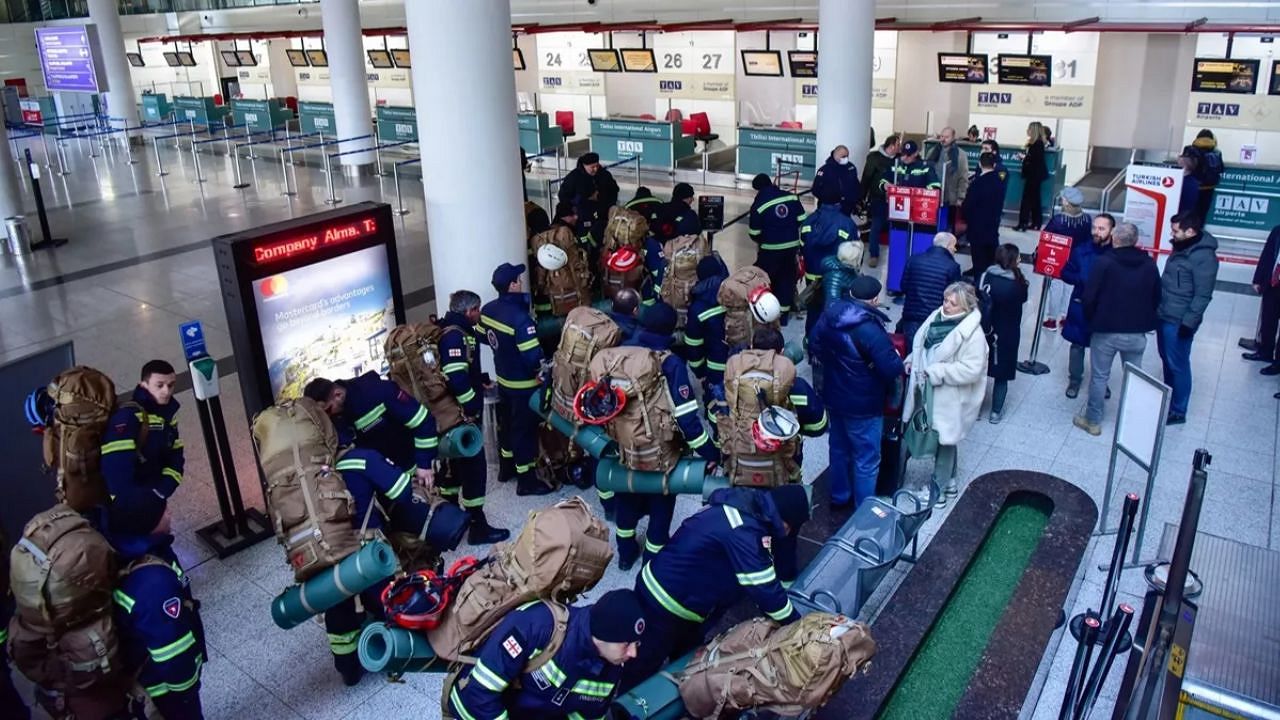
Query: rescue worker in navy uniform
(718, 554)
(141, 478)
(677, 217)
(839, 175)
(460, 362)
(517, 358)
(704, 328)
(580, 681)
(911, 170)
(624, 311)
(657, 329)
(9, 697)
(774, 226)
(645, 203)
(820, 235)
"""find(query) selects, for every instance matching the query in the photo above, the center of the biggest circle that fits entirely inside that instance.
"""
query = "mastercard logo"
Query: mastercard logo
(274, 286)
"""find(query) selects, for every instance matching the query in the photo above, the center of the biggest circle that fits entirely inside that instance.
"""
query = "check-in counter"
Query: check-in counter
(659, 144)
(537, 135)
(260, 115)
(155, 107)
(1246, 203)
(763, 149)
(200, 110)
(316, 117)
(397, 124)
(1011, 157)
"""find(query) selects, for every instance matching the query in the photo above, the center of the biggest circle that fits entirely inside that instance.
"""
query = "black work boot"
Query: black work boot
(482, 533)
(529, 484)
(350, 668)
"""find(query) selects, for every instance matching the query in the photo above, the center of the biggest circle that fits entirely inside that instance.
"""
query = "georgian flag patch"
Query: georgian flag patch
(767, 542)
(512, 646)
(172, 607)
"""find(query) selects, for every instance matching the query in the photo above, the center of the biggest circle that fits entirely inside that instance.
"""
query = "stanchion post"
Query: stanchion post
(240, 183)
(1031, 365)
(638, 170)
(1127, 513)
(400, 208)
(195, 158)
(33, 172)
(328, 179)
(62, 158)
(377, 158)
(1078, 668)
(284, 171)
(160, 171)
(1112, 645)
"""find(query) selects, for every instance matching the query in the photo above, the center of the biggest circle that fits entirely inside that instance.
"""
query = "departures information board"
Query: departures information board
(1225, 76)
(1025, 70)
(310, 297)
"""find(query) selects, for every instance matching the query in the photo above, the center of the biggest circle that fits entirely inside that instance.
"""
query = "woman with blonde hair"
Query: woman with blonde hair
(1035, 171)
(949, 356)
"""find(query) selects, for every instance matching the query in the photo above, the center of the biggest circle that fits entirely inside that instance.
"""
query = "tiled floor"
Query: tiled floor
(151, 233)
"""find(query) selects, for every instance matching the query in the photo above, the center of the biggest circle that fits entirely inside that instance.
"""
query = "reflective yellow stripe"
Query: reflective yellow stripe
(799, 400)
(517, 384)
(344, 643)
(371, 417)
(455, 367)
(806, 228)
(652, 548)
(506, 453)
(782, 614)
(488, 678)
(473, 502)
(499, 326)
(734, 517)
(762, 577)
(174, 649)
(177, 444)
(700, 440)
(753, 232)
(665, 600)
(467, 396)
(553, 673)
(417, 419)
(524, 468)
(177, 476)
(780, 246)
(350, 464)
(776, 201)
(697, 363)
(811, 277)
(401, 483)
(156, 691)
(527, 345)
(815, 427)
(123, 601)
(119, 446)
(4, 636)
(604, 494)
(593, 688)
(706, 315)
(843, 234)
(624, 533)
(692, 341)
(686, 408)
(713, 365)
(457, 705)
(426, 443)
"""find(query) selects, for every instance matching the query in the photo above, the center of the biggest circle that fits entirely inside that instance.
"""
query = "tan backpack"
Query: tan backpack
(624, 228)
(586, 332)
(646, 429)
(683, 254)
(413, 352)
(786, 670)
(310, 507)
(739, 323)
(562, 552)
(570, 286)
(84, 400)
(746, 374)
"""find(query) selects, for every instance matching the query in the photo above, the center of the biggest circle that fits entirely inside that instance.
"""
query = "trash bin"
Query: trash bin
(19, 235)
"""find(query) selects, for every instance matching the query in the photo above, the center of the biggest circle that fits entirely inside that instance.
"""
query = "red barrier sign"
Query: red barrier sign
(915, 205)
(1052, 254)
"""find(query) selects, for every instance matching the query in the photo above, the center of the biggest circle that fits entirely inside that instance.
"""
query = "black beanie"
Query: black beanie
(829, 193)
(588, 159)
(643, 192)
(711, 266)
(682, 191)
(793, 504)
(760, 182)
(617, 617)
(864, 287)
(658, 318)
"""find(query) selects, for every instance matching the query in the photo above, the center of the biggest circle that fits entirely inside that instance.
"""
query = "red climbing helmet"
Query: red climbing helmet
(622, 260)
(418, 600)
(598, 402)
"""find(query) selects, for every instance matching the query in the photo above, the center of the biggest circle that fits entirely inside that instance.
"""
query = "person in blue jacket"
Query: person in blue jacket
(719, 554)
(860, 368)
(774, 225)
(677, 217)
(704, 326)
(657, 328)
(839, 174)
(983, 207)
(143, 467)
(822, 232)
(1075, 273)
(579, 681)
(507, 326)
(924, 280)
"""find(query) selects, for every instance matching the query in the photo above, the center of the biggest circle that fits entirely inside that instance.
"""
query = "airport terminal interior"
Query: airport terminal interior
(258, 191)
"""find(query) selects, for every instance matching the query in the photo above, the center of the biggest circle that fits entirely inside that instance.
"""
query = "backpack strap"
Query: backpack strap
(144, 426)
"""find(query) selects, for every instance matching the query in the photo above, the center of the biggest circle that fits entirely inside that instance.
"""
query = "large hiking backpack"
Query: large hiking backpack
(586, 332)
(62, 573)
(84, 399)
(746, 375)
(646, 428)
(562, 552)
(786, 670)
(413, 352)
(570, 286)
(683, 254)
(310, 506)
(624, 228)
(739, 324)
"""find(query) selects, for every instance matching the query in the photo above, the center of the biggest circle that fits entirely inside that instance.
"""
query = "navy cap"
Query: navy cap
(617, 617)
(505, 275)
(658, 318)
(910, 147)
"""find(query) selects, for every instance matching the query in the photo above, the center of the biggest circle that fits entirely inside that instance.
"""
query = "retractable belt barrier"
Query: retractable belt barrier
(395, 172)
(285, 152)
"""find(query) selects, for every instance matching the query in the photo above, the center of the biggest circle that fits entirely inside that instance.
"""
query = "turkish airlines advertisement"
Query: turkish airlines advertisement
(1152, 201)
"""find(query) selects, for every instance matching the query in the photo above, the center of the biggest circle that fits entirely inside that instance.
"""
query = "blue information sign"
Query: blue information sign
(193, 340)
(69, 57)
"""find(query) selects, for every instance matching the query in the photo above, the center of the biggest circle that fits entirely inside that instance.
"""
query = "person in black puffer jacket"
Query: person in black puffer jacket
(1004, 283)
(924, 279)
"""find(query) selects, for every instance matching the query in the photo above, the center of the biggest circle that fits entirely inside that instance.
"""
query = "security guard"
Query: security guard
(911, 170)
(717, 555)
(513, 677)
(517, 358)
(774, 225)
(158, 623)
(460, 361)
(657, 327)
(645, 203)
(382, 417)
(677, 217)
(704, 328)
(821, 234)
(143, 466)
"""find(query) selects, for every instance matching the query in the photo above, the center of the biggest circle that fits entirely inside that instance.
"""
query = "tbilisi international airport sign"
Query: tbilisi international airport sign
(71, 58)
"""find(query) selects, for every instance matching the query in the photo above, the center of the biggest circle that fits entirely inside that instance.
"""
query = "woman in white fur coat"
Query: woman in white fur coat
(950, 352)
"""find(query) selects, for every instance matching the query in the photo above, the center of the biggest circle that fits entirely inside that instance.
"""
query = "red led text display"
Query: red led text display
(299, 245)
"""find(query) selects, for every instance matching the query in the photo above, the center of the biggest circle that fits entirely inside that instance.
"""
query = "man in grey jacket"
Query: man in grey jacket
(1186, 287)
(952, 166)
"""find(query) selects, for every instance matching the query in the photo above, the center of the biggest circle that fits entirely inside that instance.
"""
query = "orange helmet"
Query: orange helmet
(598, 402)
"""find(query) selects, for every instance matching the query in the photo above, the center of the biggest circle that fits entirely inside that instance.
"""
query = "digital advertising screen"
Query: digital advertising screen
(317, 58)
(962, 68)
(517, 59)
(310, 297)
(380, 59)
(297, 58)
(186, 59)
(229, 57)
(762, 63)
(135, 59)
(804, 64)
(1274, 87)
(247, 58)
(639, 60)
(604, 60)
(1025, 69)
(171, 59)
(1225, 76)
(401, 58)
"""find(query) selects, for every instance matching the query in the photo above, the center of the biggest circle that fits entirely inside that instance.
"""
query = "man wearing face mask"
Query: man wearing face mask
(838, 172)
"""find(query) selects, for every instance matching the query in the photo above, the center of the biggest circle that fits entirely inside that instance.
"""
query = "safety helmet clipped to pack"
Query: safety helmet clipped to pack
(38, 409)
(775, 426)
(765, 307)
(598, 402)
(624, 259)
(552, 258)
(418, 600)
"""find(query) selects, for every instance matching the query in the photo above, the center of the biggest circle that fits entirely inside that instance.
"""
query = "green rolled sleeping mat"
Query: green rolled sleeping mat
(357, 572)
(687, 478)
(592, 438)
(462, 441)
(390, 649)
(657, 698)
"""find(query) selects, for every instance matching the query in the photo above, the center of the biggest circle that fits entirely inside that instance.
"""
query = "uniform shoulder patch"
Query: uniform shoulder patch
(532, 330)
(512, 645)
(782, 210)
(684, 392)
(767, 542)
(172, 607)
(455, 352)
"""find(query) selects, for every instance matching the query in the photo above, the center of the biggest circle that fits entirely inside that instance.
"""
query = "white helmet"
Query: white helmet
(552, 258)
(764, 305)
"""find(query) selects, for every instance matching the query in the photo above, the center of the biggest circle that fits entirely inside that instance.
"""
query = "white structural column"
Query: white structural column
(347, 78)
(122, 100)
(846, 52)
(465, 94)
(10, 185)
